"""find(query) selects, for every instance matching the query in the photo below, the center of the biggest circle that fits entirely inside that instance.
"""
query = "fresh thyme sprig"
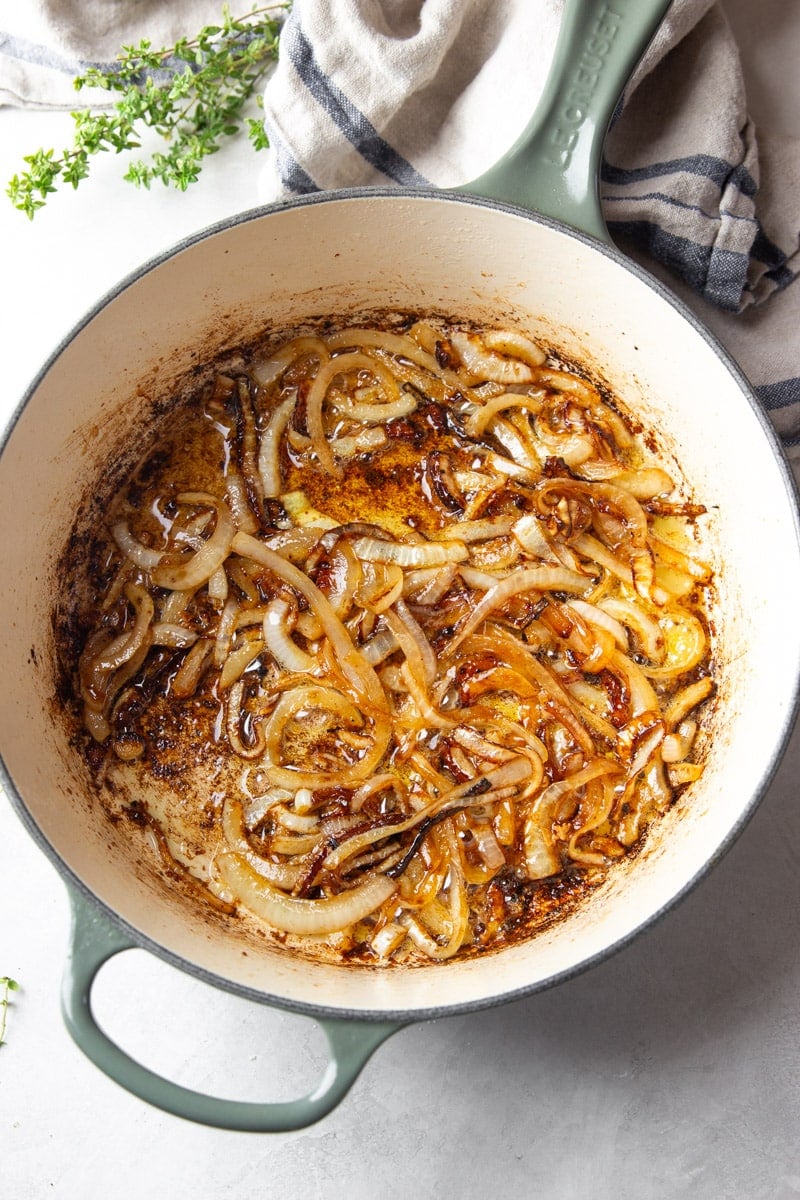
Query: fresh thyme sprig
(191, 94)
(7, 985)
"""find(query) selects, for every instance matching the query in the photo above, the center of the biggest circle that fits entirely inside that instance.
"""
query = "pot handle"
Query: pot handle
(94, 940)
(553, 167)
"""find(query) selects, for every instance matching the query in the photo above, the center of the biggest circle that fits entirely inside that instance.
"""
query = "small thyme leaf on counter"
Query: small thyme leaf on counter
(6, 985)
(191, 94)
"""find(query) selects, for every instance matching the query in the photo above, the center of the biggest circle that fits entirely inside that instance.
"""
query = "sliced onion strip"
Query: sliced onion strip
(225, 630)
(512, 773)
(397, 344)
(376, 414)
(269, 369)
(191, 669)
(686, 644)
(356, 668)
(301, 916)
(412, 641)
(643, 697)
(327, 700)
(687, 699)
(269, 450)
(134, 550)
(540, 855)
(278, 641)
(99, 668)
(202, 564)
(597, 616)
(485, 361)
(479, 420)
(544, 578)
(282, 874)
(169, 634)
(233, 720)
(410, 554)
(239, 660)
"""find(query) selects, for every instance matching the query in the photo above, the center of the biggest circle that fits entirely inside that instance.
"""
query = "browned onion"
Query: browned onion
(530, 705)
(268, 370)
(357, 669)
(138, 553)
(269, 452)
(278, 640)
(484, 360)
(201, 565)
(541, 578)
(410, 554)
(306, 917)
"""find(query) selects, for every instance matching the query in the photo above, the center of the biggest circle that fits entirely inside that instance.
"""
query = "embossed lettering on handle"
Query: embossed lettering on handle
(553, 168)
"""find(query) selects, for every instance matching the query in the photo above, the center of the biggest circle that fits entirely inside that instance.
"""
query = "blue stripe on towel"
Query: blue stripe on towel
(353, 124)
(779, 395)
(779, 398)
(43, 56)
(289, 171)
(718, 170)
(718, 275)
(781, 277)
(675, 202)
(765, 251)
(762, 250)
(40, 56)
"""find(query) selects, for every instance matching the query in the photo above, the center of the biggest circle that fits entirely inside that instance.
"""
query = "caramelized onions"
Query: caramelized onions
(403, 598)
(411, 554)
(304, 917)
(201, 565)
(278, 641)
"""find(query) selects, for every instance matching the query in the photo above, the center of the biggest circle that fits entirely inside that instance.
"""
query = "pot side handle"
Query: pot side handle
(94, 940)
(554, 166)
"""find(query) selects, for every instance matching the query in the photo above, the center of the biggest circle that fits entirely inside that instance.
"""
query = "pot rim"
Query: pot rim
(143, 940)
(258, 212)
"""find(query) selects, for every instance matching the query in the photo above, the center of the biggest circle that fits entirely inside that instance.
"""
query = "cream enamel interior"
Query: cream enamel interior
(350, 254)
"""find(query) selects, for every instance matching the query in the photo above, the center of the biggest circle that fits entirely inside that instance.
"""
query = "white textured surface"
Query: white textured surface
(669, 1071)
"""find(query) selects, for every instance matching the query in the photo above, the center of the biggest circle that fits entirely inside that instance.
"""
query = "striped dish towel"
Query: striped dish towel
(416, 92)
(411, 92)
(44, 44)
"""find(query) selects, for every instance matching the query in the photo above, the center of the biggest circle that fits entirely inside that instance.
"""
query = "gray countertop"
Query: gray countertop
(670, 1070)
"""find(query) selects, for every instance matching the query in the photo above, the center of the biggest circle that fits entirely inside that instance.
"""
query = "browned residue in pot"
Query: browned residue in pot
(164, 772)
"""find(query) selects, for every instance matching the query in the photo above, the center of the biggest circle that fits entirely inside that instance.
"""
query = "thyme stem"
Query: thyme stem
(191, 94)
(7, 985)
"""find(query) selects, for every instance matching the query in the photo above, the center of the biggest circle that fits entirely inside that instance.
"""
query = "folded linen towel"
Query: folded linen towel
(409, 92)
(434, 91)
(44, 44)
(376, 92)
